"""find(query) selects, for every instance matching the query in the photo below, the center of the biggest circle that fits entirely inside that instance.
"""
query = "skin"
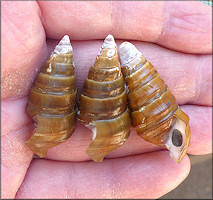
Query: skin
(177, 41)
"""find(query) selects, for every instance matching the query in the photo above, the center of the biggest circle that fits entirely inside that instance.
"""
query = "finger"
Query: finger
(15, 156)
(14, 116)
(15, 160)
(183, 26)
(143, 176)
(201, 129)
(23, 46)
(23, 49)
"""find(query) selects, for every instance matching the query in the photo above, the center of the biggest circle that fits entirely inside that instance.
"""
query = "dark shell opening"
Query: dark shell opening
(177, 138)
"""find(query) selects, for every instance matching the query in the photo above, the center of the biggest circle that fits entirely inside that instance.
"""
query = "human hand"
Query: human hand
(178, 43)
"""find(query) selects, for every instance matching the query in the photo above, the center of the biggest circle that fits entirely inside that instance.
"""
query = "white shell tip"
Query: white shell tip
(65, 38)
(109, 45)
(110, 38)
(125, 46)
(64, 46)
(109, 42)
(127, 52)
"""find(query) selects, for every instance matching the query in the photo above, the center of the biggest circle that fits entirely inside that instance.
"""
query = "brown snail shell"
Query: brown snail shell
(103, 103)
(52, 99)
(154, 111)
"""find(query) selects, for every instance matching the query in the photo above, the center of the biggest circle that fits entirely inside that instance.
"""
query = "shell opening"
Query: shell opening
(92, 127)
(94, 133)
(177, 140)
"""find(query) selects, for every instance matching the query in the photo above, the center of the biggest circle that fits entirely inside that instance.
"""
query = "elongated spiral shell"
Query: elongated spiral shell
(52, 99)
(154, 111)
(103, 103)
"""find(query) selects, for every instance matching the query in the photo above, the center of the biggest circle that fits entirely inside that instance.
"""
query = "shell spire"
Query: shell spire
(109, 45)
(64, 46)
(154, 111)
(128, 52)
(51, 102)
(103, 103)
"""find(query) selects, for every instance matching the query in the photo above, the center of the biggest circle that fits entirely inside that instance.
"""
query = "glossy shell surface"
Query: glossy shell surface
(103, 103)
(51, 101)
(155, 114)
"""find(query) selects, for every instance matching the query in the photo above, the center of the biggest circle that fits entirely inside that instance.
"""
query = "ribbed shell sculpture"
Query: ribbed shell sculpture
(154, 111)
(52, 100)
(103, 103)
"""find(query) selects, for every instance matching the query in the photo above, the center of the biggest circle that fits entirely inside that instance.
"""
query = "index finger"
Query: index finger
(182, 26)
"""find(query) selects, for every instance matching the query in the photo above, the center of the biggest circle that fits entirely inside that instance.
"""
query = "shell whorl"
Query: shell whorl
(106, 66)
(51, 101)
(154, 110)
(103, 103)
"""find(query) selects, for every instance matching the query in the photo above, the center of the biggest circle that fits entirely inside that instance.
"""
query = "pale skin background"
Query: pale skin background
(176, 37)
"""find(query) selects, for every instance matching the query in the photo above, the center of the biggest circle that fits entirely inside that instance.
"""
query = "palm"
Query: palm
(139, 165)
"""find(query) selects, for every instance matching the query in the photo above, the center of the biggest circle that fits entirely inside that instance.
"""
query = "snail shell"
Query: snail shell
(154, 111)
(103, 103)
(52, 99)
